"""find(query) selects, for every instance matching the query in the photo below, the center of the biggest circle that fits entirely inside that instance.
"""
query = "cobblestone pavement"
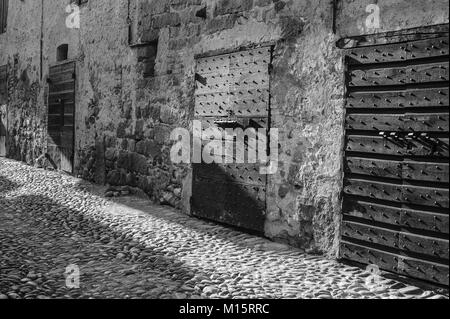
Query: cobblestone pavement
(130, 248)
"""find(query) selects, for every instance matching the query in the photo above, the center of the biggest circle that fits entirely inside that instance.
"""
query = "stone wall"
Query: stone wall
(25, 107)
(124, 116)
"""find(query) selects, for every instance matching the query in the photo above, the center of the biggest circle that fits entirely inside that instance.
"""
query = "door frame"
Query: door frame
(4, 106)
(4, 137)
(212, 53)
(386, 38)
(61, 63)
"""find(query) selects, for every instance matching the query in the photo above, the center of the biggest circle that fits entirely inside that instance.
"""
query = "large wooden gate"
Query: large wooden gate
(232, 92)
(3, 111)
(61, 114)
(395, 212)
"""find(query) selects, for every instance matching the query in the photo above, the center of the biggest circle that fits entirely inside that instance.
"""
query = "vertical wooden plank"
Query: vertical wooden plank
(54, 155)
(2, 15)
(395, 211)
(3, 84)
(3, 110)
(66, 149)
(61, 115)
(3, 129)
(66, 159)
(4, 24)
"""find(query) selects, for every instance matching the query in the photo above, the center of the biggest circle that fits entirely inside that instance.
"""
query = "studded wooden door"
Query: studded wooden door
(61, 113)
(3, 111)
(232, 92)
(395, 212)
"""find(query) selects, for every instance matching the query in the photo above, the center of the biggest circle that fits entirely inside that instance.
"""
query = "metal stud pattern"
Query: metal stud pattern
(236, 82)
(423, 98)
(433, 72)
(232, 91)
(399, 52)
(396, 197)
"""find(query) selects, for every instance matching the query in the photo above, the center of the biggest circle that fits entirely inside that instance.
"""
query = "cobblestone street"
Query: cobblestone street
(129, 248)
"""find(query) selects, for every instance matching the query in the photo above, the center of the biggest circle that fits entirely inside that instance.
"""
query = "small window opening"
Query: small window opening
(147, 56)
(3, 15)
(61, 52)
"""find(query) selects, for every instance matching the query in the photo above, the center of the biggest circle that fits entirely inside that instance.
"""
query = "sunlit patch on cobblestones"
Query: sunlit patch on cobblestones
(129, 248)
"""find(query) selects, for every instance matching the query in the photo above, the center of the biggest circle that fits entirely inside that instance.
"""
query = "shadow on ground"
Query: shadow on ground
(40, 236)
(226, 232)
(6, 185)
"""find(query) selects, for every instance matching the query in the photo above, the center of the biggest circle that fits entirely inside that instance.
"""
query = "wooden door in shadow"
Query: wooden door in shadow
(61, 114)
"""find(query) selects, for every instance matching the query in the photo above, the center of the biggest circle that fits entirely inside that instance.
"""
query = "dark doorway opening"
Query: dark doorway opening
(62, 52)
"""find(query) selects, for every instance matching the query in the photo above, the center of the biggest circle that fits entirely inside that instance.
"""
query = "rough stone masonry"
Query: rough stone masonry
(129, 96)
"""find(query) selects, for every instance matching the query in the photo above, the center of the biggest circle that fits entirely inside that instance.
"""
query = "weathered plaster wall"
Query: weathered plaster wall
(303, 197)
(19, 49)
(106, 81)
(303, 207)
(28, 61)
(394, 15)
(123, 120)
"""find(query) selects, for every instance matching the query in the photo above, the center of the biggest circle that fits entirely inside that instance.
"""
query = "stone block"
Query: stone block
(221, 23)
(139, 129)
(109, 164)
(150, 35)
(162, 134)
(165, 20)
(110, 154)
(181, 4)
(168, 115)
(124, 144)
(113, 177)
(263, 3)
(131, 179)
(151, 112)
(279, 5)
(154, 7)
(99, 175)
(143, 183)
(283, 190)
(146, 52)
(123, 159)
(121, 130)
(148, 148)
(231, 6)
(123, 176)
(159, 178)
(138, 163)
(273, 215)
(110, 141)
(131, 145)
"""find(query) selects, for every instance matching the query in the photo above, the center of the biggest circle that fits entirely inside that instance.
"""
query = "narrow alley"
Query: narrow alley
(127, 247)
